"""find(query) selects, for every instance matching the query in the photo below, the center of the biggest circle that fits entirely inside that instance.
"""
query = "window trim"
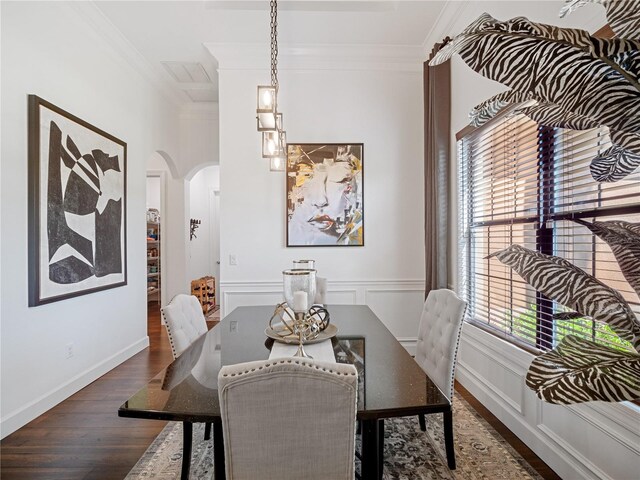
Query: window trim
(544, 215)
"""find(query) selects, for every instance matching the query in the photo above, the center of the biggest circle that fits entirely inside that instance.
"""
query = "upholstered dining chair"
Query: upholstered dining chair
(321, 291)
(437, 351)
(185, 323)
(288, 418)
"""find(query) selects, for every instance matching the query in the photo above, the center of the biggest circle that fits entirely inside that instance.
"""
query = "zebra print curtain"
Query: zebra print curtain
(437, 135)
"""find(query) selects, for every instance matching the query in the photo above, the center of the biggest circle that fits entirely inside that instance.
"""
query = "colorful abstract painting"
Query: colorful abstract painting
(325, 195)
(77, 216)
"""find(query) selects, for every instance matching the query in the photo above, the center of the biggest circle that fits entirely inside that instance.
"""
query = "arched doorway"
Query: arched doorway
(166, 235)
(204, 212)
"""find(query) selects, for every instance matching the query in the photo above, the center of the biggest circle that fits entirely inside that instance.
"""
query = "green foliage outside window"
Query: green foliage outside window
(523, 325)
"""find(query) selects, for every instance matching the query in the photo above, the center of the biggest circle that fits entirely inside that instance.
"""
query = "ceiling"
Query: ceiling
(166, 32)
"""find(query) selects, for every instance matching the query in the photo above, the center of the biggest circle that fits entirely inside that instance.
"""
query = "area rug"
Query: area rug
(409, 453)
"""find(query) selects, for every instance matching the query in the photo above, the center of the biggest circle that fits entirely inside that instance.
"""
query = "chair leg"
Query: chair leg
(423, 423)
(187, 435)
(381, 446)
(448, 439)
(207, 431)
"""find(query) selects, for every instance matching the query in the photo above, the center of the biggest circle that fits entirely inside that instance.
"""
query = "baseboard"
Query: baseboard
(560, 461)
(17, 419)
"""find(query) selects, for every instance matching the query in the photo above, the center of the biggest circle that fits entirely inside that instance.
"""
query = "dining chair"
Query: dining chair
(288, 418)
(185, 323)
(437, 352)
(321, 291)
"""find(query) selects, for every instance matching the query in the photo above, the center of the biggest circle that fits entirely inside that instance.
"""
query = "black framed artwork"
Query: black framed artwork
(77, 206)
(325, 195)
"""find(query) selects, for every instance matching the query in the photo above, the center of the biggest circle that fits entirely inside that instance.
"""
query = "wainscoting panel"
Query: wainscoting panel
(593, 441)
(231, 299)
(346, 296)
(398, 303)
(400, 308)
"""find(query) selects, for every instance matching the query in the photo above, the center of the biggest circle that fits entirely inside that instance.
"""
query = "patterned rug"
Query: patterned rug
(409, 454)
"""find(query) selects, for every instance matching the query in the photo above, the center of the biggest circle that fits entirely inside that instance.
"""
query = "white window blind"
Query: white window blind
(521, 183)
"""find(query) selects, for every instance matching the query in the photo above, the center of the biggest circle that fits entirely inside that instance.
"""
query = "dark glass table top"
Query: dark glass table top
(391, 383)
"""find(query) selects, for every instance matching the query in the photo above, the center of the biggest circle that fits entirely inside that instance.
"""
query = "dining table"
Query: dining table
(390, 383)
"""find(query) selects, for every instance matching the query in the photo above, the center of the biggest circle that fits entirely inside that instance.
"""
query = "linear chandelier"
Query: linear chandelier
(274, 138)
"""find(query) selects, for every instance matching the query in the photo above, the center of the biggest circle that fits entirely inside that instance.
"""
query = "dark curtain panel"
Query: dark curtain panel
(437, 138)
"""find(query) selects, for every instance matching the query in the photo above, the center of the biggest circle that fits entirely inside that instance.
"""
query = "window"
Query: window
(521, 183)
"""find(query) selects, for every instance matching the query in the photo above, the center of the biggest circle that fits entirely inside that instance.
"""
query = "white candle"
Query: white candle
(300, 301)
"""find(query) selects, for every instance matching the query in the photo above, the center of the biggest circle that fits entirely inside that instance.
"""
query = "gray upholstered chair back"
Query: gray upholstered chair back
(321, 291)
(439, 336)
(288, 418)
(185, 322)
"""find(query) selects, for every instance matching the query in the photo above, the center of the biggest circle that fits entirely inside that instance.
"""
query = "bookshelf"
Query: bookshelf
(153, 262)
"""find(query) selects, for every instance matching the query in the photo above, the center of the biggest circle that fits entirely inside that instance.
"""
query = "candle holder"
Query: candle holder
(302, 326)
(304, 264)
(299, 287)
(299, 292)
(306, 326)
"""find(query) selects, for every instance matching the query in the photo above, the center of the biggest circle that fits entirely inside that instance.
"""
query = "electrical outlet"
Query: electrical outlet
(233, 260)
(69, 350)
(233, 326)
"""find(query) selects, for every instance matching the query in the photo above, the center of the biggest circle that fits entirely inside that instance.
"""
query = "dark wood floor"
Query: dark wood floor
(83, 438)
(542, 468)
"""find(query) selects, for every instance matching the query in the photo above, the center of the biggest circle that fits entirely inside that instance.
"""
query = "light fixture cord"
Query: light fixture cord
(274, 44)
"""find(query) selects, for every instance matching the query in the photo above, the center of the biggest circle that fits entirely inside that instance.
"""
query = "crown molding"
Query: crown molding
(448, 23)
(444, 24)
(115, 40)
(255, 56)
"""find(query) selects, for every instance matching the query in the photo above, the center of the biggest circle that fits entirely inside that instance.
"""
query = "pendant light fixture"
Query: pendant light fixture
(270, 122)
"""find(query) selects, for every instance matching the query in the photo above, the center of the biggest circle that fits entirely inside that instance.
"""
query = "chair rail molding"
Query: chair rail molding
(594, 440)
(397, 302)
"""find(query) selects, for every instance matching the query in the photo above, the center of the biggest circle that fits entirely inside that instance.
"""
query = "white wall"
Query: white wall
(198, 138)
(203, 252)
(373, 103)
(69, 64)
(153, 193)
(595, 440)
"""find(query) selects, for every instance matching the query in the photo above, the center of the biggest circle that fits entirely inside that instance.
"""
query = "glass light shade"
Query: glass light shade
(299, 288)
(267, 108)
(277, 164)
(269, 121)
(266, 121)
(272, 144)
(304, 264)
(266, 98)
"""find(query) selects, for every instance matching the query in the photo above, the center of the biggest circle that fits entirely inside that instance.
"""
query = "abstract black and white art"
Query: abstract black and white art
(77, 206)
